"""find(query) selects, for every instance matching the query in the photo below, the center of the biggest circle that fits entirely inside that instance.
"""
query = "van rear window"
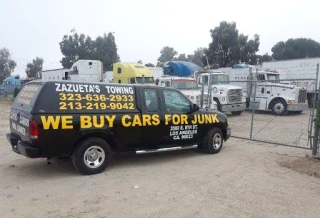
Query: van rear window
(66, 97)
(27, 96)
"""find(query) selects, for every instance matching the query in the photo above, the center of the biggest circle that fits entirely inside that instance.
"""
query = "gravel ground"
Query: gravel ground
(244, 180)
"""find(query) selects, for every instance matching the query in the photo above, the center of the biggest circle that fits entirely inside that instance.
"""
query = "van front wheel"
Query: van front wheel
(91, 156)
(213, 141)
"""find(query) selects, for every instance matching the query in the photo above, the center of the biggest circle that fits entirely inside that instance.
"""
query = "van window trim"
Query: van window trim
(144, 100)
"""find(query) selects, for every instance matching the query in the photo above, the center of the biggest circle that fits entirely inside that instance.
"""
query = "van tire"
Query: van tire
(91, 156)
(213, 141)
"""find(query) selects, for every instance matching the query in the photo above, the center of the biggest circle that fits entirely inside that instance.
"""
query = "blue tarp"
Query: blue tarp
(180, 68)
(240, 66)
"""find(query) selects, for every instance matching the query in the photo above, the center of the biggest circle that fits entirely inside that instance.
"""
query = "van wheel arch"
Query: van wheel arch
(103, 135)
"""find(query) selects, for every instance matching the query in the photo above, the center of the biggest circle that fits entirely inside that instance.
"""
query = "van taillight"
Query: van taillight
(33, 129)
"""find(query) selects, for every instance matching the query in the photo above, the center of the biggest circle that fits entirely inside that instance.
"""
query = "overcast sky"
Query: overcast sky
(31, 28)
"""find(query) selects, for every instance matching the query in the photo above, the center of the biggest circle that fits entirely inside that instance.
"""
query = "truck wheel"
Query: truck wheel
(279, 107)
(236, 112)
(213, 141)
(91, 156)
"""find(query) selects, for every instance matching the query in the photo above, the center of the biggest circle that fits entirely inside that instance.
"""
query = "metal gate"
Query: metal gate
(263, 121)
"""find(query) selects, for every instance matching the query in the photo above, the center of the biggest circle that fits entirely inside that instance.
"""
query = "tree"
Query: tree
(228, 47)
(140, 62)
(7, 65)
(34, 67)
(264, 58)
(167, 54)
(149, 65)
(75, 47)
(296, 48)
(198, 57)
(182, 57)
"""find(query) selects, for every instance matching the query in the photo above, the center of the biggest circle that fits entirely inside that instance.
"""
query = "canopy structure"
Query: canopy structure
(180, 68)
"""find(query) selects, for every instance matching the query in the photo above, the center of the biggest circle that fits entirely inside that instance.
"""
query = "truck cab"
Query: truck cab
(9, 84)
(132, 73)
(270, 93)
(229, 98)
(279, 97)
(189, 87)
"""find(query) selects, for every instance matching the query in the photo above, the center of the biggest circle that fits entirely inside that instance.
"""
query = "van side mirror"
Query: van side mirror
(194, 108)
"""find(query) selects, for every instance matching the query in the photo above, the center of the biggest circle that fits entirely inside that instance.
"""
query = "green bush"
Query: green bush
(16, 92)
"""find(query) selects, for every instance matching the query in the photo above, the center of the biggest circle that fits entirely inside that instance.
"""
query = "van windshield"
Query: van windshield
(146, 79)
(219, 79)
(184, 84)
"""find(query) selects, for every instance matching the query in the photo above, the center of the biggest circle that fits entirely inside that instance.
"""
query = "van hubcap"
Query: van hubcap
(94, 156)
(217, 141)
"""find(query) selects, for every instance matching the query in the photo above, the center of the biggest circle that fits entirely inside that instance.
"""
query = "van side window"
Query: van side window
(151, 100)
(175, 101)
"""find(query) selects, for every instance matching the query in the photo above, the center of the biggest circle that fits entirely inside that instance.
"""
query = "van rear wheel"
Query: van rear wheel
(91, 156)
(213, 141)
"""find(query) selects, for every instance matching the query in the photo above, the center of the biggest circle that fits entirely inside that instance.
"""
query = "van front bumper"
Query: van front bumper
(22, 148)
(228, 134)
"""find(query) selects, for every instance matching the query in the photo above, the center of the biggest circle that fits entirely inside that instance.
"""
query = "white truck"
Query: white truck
(303, 71)
(81, 70)
(269, 94)
(189, 87)
(229, 98)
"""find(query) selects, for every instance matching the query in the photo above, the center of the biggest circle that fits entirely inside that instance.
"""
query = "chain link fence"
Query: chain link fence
(277, 111)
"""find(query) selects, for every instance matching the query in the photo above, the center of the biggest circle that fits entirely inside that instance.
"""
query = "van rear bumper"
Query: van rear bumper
(22, 148)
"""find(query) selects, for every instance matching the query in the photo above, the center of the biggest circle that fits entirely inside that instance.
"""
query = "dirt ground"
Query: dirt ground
(245, 179)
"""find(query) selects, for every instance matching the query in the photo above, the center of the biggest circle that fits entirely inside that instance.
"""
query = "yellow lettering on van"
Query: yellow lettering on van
(155, 119)
(184, 119)
(66, 122)
(195, 119)
(208, 118)
(175, 119)
(146, 119)
(50, 121)
(201, 118)
(215, 118)
(136, 121)
(95, 121)
(111, 120)
(124, 122)
(85, 122)
(167, 118)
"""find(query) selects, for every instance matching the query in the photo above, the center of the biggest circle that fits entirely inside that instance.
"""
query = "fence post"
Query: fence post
(316, 123)
(202, 93)
(254, 103)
